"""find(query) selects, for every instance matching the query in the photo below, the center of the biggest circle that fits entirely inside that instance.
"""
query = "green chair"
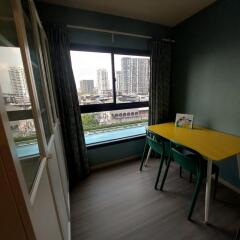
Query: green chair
(195, 164)
(160, 146)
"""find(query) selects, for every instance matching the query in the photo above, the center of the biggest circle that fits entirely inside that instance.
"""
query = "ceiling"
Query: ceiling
(165, 12)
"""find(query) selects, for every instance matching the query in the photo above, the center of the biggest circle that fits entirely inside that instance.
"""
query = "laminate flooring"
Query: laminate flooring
(120, 203)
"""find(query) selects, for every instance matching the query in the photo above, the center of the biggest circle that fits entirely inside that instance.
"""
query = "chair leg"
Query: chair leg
(159, 170)
(165, 174)
(143, 156)
(195, 195)
(215, 183)
(180, 171)
(237, 237)
(190, 177)
(148, 156)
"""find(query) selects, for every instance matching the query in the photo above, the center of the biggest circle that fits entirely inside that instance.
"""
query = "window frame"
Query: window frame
(111, 106)
(91, 108)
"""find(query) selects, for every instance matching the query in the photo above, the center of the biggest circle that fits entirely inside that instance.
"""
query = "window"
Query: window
(17, 101)
(113, 91)
(112, 125)
(132, 78)
(14, 90)
(24, 134)
(93, 76)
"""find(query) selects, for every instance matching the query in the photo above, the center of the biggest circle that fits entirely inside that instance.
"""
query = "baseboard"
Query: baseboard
(229, 185)
(135, 157)
(114, 162)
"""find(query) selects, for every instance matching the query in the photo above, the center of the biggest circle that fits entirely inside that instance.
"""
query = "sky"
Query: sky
(85, 65)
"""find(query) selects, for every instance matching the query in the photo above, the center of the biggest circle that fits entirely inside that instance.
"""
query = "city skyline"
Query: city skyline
(131, 78)
(85, 65)
(131, 73)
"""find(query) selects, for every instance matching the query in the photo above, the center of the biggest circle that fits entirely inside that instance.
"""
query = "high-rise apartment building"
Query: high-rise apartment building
(119, 82)
(18, 83)
(102, 80)
(86, 86)
(135, 75)
(126, 71)
(143, 76)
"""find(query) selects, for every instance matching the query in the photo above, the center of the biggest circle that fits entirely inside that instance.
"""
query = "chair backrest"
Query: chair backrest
(191, 164)
(156, 143)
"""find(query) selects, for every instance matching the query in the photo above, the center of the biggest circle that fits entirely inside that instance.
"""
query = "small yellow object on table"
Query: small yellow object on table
(211, 144)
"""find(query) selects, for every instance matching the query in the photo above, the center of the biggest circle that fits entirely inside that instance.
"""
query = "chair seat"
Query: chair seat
(215, 168)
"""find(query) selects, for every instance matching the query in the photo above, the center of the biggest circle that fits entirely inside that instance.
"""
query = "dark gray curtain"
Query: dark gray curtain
(68, 105)
(160, 80)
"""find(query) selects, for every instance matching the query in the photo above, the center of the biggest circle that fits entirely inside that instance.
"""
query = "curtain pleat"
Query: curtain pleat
(68, 105)
(160, 80)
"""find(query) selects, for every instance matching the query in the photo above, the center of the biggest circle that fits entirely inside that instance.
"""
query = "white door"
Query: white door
(54, 151)
(30, 122)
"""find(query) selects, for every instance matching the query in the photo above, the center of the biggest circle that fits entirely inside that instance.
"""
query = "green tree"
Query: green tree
(89, 121)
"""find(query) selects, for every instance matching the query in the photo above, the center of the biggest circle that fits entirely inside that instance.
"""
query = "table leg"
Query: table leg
(208, 190)
(238, 160)
(148, 155)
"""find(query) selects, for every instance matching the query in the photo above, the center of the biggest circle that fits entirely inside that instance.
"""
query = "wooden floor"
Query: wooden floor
(121, 203)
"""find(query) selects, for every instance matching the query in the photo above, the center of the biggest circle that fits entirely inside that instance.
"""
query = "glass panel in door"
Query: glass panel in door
(38, 74)
(47, 69)
(15, 94)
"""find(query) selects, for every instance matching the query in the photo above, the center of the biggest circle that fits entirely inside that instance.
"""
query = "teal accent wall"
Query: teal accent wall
(8, 34)
(206, 77)
(107, 154)
(70, 16)
(78, 17)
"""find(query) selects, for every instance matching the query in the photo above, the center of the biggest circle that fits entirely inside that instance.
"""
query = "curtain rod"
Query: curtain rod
(109, 31)
(168, 40)
(116, 32)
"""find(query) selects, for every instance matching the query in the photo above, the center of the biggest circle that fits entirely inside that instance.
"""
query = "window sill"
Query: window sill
(115, 141)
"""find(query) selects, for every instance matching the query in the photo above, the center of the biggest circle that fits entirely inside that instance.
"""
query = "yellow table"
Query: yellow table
(213, 145)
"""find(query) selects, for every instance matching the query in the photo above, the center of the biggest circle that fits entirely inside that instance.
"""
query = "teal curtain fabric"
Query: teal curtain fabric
(68, 105)
(160, 81)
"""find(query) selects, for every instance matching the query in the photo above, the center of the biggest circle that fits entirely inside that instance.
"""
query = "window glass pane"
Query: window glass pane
(24, 135)
(93, 77)
(37, 72)
(111, 125)
(48, 72)
(14, 90)
(132, 78)
(13, 81)
(51, 79)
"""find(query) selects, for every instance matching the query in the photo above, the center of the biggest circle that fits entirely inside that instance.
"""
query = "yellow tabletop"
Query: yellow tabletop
(211, 144)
